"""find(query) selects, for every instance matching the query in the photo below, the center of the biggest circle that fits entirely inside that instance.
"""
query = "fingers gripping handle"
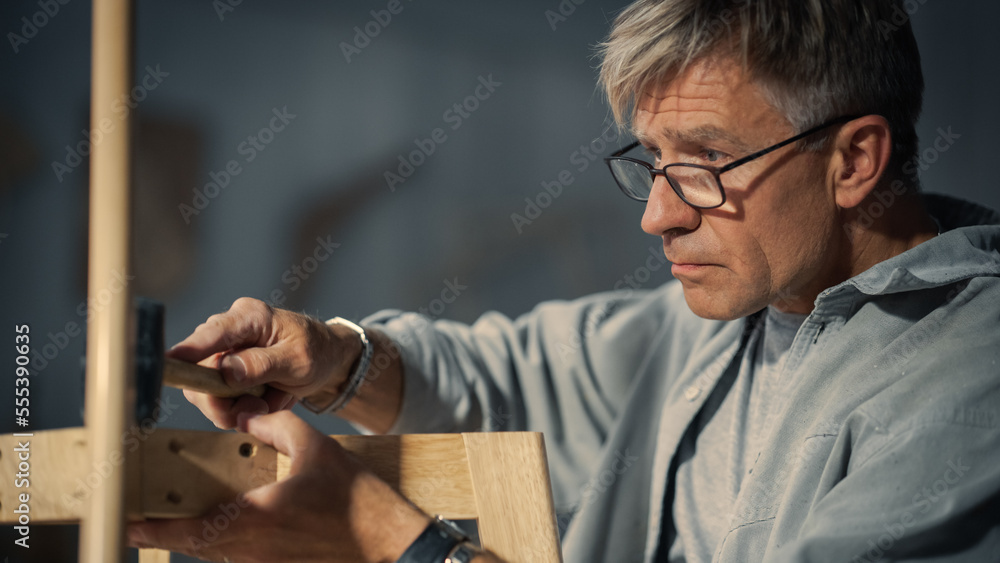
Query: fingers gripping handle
(184, 375)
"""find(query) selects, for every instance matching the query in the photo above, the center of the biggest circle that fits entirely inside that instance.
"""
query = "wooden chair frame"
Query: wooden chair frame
(499, 479)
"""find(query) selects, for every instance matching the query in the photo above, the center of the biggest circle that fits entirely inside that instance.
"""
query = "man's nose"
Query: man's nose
(665, 210)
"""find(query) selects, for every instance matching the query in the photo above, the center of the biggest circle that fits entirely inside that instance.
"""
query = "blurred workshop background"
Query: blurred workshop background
(337, 158)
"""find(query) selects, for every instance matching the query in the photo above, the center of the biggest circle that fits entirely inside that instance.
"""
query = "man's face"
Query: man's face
(772, 241)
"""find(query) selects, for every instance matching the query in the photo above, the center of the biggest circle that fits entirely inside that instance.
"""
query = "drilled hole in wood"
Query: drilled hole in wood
(175, 446)
(173, 497)
(247, 449)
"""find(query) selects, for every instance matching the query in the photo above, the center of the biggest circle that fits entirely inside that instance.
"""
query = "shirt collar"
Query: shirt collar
(966, 248)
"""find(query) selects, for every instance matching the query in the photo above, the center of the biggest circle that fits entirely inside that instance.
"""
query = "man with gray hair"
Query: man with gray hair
(820, 383)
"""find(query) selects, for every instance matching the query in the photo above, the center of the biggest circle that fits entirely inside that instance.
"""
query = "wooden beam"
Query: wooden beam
(499, 478)
(513, 529)
(57, 482)
(109, 354)
(187, 473)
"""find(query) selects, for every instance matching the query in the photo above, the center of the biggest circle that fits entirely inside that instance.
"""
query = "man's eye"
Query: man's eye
(652, 154)
(712, 155)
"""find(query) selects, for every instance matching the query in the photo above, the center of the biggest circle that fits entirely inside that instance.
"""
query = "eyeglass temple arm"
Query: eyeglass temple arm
(786, 142)
(760, 153)
(624, 150)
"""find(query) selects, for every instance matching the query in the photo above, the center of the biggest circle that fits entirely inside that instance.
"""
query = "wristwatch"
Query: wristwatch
(463, 553)
(356, 378)
(441, 542)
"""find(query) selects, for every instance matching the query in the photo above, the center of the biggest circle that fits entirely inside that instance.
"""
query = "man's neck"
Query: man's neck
(865, 241)
(902, 226)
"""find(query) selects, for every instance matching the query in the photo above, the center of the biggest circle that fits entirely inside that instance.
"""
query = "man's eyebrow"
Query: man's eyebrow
(704, 134)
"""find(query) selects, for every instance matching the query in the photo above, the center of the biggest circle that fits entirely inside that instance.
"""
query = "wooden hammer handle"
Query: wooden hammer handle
(184, 375)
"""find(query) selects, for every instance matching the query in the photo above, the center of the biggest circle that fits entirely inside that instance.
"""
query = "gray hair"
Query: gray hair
(813, 59)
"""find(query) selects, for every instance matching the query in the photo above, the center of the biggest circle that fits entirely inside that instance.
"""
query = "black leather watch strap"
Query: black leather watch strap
(434, 544)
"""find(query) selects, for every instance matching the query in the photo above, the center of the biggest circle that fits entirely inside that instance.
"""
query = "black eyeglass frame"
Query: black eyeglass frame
(715, 170)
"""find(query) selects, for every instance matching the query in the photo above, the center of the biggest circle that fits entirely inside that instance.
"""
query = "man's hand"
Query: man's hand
(330, 508)
(253, 343)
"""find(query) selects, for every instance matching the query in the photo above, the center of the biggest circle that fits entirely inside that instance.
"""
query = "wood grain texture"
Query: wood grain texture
(500, 479)
(58, 486)
(186, 473)
(154, 556)
(510, 477)
(431, 470)
(110, 374)
(184, 375)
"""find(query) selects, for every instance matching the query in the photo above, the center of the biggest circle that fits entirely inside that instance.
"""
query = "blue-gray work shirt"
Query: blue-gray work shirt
(887, 448)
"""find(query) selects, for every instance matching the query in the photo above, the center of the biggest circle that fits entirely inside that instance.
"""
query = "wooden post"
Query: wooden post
(109, 357)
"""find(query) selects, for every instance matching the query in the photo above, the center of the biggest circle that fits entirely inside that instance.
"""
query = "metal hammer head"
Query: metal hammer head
(149, 349)
(153, 370)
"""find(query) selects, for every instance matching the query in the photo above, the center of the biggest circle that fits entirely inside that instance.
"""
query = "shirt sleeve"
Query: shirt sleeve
(564, 369)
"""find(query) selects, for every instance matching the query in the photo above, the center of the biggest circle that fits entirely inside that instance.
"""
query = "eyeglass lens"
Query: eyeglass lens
(695, 185)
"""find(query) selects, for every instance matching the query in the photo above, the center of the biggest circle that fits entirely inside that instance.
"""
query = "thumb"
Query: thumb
(246, 368)
(287, 433)
(246, 324)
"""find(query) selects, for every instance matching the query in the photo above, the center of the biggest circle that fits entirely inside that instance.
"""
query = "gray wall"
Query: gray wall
(450, 220)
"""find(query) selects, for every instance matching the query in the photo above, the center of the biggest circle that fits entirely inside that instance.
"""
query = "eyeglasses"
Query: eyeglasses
(697, 185)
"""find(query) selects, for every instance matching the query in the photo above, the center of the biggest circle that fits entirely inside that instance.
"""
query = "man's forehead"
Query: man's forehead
(666, 118)
(710, 100)
(700, 134)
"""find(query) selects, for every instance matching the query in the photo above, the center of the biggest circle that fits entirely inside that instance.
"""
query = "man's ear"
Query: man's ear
(861, 155)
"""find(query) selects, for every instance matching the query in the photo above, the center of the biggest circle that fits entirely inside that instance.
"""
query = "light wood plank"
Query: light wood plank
(58, 483)
(513, 495)
(501, 479)
(431, 470)
(186, 473)
(154, 556)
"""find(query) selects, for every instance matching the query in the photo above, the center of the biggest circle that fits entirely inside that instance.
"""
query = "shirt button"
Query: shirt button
(691, 393)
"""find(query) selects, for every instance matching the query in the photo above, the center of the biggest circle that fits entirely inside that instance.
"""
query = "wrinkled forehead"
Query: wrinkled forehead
(706, 100)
